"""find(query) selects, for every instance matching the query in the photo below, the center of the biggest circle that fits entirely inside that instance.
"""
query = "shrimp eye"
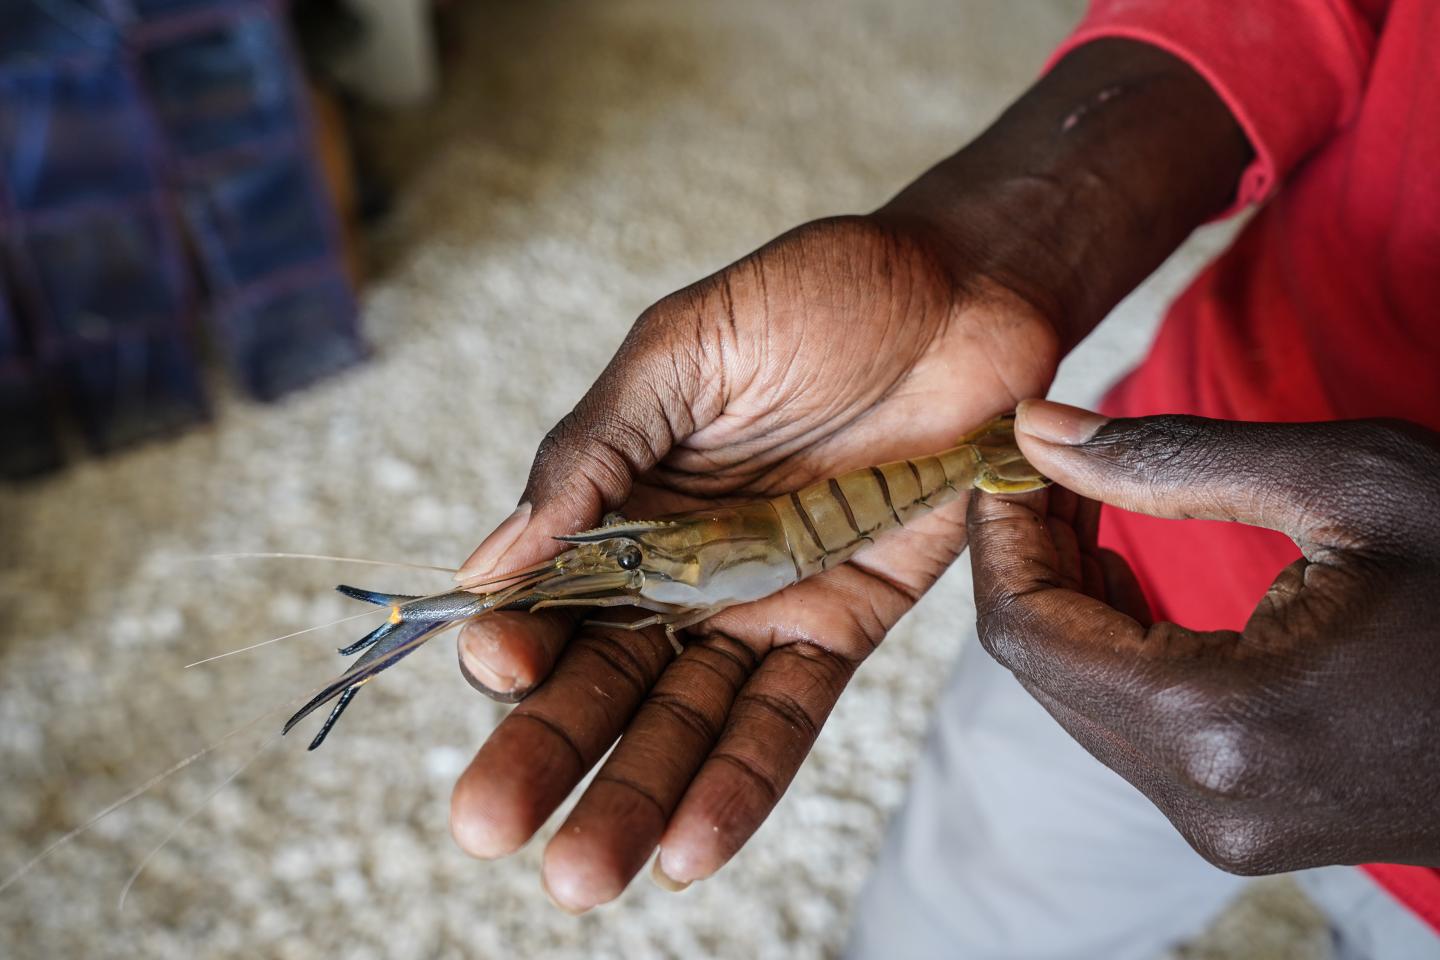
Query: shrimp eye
(629, 558)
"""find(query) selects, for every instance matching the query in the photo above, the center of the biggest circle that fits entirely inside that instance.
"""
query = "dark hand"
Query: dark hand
(1310, 737)
(843, 343)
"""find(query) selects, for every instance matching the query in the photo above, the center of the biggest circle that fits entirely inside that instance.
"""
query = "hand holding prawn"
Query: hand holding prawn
(843, 343)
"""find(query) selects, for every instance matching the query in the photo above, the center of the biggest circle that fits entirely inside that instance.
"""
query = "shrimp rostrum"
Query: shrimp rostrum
(687, 567)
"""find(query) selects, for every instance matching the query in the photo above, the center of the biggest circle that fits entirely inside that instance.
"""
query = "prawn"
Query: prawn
(686, 567)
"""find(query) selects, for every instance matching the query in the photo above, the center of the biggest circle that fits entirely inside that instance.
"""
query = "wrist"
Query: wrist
(1086, 184)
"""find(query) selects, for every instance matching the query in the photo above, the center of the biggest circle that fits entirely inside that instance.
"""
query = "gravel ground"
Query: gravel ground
(586, 159)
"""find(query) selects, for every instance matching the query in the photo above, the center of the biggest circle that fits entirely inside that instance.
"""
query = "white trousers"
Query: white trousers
(1016, 843)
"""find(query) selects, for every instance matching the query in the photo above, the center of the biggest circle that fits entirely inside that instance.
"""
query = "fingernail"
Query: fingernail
(663, 880)
(1058, 422)
(478, 647)
(492, 549)
(573, 911)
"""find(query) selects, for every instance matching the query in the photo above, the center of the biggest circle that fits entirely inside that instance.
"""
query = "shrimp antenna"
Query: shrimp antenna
(179, 824)
(137, 792)
(319, 556)
(266, 643)
(179, 765)
(205, 801)
(470, 583)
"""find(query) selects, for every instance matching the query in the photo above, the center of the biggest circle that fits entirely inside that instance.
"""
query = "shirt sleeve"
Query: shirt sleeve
(1291, 71)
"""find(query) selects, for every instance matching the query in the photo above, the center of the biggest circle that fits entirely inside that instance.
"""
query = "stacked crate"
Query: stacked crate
(157, 182)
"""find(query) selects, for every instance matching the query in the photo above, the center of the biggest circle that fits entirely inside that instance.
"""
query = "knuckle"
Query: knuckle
(641, 797)
(1172, 448)
(556, 732)
(1001, 623)
(620, 656)
(620, 437)
(670, 351)
(559, 444)
(585, 447)
(827, 669)
(992, 633)
(1401, 463)
(734, 814)
(780, 708)
(1232, 745)
(727, 657)
(1220, 758)
(1226, 469)
(686, 714)
(555, 443)
(662, 316)
(1236, 844)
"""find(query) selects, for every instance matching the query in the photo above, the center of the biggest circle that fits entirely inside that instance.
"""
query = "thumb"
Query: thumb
(1304, 480)
(651, 395)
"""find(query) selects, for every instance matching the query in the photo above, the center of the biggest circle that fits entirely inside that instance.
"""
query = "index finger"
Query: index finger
(1079, 650)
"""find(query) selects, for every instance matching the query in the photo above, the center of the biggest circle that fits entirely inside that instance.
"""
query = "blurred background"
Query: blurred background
(439, 221)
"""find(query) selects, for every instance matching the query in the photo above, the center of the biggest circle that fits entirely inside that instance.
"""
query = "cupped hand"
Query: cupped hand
(844, 343)
(1309, 737)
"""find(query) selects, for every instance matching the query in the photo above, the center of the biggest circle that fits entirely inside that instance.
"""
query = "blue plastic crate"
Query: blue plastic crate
(223, 88)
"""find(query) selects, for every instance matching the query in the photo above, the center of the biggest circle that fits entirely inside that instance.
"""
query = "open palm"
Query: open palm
(844, 343)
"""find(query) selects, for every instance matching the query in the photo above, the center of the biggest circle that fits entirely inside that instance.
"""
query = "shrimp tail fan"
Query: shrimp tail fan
(375, 597)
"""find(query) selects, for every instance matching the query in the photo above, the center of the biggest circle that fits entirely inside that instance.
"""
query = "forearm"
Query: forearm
(1088, 182)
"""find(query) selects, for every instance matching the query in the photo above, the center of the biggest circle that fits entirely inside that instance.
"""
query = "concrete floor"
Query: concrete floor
(585, 160)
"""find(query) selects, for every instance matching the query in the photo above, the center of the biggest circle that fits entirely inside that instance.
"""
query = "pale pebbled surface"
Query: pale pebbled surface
(586, 160)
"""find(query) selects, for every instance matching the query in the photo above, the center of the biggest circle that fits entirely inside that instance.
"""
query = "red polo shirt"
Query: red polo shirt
(1328, 305)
